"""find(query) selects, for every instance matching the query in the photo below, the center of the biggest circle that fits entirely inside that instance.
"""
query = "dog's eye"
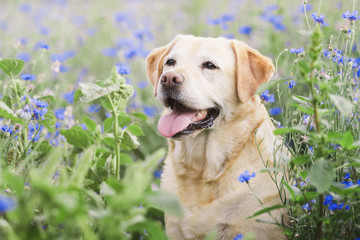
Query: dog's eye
(170, 62)
(209, 65)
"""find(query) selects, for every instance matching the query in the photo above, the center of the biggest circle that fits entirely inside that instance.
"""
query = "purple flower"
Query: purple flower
(267, 97)
(6, 204)
(292, 84)
(351, 17)
(275, 111)
(306, 206)
(296, 50)
(319, 19)
(28, 77)
(238, 237)
(245, 176)
(245, 30)
(24, 56)
(69, 97)
(328, 199)
(123, 69)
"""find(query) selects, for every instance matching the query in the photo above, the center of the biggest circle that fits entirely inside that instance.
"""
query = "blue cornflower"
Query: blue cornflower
(358, 182)
(351, 17)
(40, 113)
(319, 19)
(275, 111)
(94, 108)
(142, 84)
(34, 128)
(26, 112)
(267, 97)
(347, 183)
(44, 30)
(306, 206)
(328, 199)
(123, 69)
(69, 96)
(157, 174)
(38, 103)
(238, 237)
(222, 21)
(24, 56)
(275, 20)
(333, 206)
(42, 45)
(247, 30)
(8, 129)
(296, 50)
(292, 84)
(245, 176)
(28, 77)
(59, 113)
(110, 52)
(347, 176)
(150, 111)
(6, 204)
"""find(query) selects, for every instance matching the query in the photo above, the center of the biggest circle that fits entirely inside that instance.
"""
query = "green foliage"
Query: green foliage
(11, 67)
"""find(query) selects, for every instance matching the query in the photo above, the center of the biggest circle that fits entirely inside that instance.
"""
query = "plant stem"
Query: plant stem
(116, 140)
(319, 232)
(307, 20)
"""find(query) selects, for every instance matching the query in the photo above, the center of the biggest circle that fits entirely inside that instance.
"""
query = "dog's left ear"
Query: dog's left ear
(154, 63)
(252, 69)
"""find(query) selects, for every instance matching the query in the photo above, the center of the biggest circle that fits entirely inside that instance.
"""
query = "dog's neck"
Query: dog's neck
(208, 153)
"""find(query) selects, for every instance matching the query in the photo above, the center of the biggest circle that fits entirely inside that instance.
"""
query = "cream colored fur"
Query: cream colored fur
(202, 170)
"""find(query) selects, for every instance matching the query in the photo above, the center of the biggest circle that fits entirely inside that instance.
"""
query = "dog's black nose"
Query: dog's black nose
(170, 79)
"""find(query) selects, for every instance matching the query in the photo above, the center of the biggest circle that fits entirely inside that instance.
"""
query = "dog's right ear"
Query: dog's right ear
(154, 63)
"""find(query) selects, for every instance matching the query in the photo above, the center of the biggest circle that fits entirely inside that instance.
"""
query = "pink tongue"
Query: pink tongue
(175, 122)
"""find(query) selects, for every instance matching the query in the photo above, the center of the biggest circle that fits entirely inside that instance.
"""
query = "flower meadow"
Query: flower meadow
(80, 155)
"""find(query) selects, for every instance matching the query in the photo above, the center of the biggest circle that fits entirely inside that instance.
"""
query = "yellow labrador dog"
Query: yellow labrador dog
(208, 86)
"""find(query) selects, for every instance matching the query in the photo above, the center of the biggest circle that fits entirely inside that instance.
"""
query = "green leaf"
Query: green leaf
(77, 95)
(269, 85)
(77, 136)
(347, 140)
(294, 191)
(125, 159)
(124, 120)
(91, 91)
(48, 98)
(321, 175)
(6, 112)
(90, 124)
(266, 210)
(135, 129)
(50, 121)
(341, 103)
(11, 67)
(166, 202)
(299, 129)
(140, 116)
(108, 124)
(300, 160)
(307, 110)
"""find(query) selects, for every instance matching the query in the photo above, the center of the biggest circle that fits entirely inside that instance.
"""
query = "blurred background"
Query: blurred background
(64, 42)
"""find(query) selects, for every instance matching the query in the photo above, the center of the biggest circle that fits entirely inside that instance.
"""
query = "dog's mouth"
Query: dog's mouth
(183, 121)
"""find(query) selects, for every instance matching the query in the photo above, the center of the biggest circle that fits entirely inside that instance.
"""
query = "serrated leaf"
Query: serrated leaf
(91, 91)
(300, 160)
(135, 130)
(6, 112)
(266, 210)
(108, 124)
(77, 136)
(11, 67)
(90, 124)
(268, 85)
(341, 103)
(321, 175)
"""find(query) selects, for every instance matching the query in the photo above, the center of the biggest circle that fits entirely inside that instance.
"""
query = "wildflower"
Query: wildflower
(296, 50)
(8, 129)
(245, 176)
(347, 183)
(358, 182)
(319, 19)
(150, 111)
(69, 96)
(275, 20)
(275, 111)
(123, 69)
(306, 206)
(142, 84)
(222, 21)
(351, 17)
(6, 204)
(26, 112)
(94, 108)
(267, 97)
(28, 77)
(238, 237)
(41, 45)
(158, 173)
(24, 56)
(110, 52)
(44, 30)
(328, 199)
(245, 30)
(347, 176)
(292, 84)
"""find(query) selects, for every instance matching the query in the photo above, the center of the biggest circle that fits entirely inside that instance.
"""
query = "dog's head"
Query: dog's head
(201, 80)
